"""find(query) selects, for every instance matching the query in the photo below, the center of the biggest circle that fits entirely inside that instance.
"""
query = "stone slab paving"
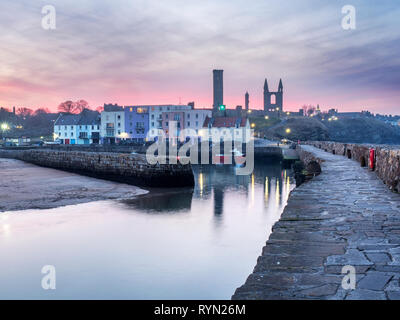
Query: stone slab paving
(344, 216)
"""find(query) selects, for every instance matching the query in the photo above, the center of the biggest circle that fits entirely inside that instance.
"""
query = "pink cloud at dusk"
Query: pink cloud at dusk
(160, 52)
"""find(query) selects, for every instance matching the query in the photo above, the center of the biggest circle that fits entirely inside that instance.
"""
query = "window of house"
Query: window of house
(152, 116)
(197, 115)
(188, 123)
(177, 117)
(197, 123)
(72, 134)
(119, 117)
(152, 124)
(119, 124)
(72, 127)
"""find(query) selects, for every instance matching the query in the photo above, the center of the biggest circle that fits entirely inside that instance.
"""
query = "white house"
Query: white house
(83, 128)
(66, 128)
(112, 124)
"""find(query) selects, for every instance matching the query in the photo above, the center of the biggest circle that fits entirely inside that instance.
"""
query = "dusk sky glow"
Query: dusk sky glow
(159, 52)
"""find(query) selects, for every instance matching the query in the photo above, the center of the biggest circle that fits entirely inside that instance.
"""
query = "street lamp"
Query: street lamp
(266, 117)
(4, 127)
(288, 130)
(253, 125)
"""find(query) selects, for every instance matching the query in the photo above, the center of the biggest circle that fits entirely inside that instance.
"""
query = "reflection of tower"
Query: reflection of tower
(218, 87)
(246, 100)
(273, 101)
(218, 201)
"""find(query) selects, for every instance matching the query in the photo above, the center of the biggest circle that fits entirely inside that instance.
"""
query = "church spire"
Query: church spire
(280, 87)
(266, 86)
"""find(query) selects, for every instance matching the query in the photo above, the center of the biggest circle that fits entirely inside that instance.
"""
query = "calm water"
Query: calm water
(193, 244)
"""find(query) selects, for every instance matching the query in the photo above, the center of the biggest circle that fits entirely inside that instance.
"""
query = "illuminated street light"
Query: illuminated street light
(266, 117)
(288, 113)
(253, 125)
(288, 130)
(4, 126)
(249, 111)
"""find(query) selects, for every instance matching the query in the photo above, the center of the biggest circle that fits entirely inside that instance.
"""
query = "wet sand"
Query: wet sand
(26, 186)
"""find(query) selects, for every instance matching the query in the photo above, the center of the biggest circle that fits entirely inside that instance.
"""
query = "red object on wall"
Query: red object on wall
(372, 159)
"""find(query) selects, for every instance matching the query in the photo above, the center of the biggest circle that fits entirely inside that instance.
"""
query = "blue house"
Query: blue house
(136, 123)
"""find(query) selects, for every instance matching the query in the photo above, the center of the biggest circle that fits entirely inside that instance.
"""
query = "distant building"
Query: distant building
(113, 124)
(136, 123)
(235, 127)
(194, 119)
(218, 90)
(66, 128)
(273, 101)
(81, 128)
(156, 118)
(173, 120)
(246, 101)
(89, 127)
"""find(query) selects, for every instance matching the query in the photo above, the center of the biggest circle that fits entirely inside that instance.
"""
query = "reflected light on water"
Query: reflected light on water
(198, 243)
(201, 183)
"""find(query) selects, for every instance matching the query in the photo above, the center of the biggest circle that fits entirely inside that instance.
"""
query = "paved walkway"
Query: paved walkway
(345, 216)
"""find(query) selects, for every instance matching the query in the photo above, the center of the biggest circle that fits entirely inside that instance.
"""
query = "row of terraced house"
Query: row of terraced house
(138, 123)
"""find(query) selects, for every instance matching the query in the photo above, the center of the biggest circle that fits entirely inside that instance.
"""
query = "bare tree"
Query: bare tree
(24, 112)
(308, 109)
(67, 106)
(73, 107)
(81, 105)
(41, 111)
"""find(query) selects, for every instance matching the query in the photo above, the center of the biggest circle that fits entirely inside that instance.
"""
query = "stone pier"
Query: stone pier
(125, 168)
(344, 216)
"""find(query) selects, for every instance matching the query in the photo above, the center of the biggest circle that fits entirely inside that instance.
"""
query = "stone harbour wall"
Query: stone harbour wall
(387, 158)
(125, 168)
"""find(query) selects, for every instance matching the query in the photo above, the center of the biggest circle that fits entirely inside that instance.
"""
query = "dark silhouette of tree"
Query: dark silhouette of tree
(41, 111)
(24, 112)
(67, 106)
(81, 105)
(73, 107)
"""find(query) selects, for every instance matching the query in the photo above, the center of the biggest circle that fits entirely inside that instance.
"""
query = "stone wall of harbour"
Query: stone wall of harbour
(387, 158)
(125, 168)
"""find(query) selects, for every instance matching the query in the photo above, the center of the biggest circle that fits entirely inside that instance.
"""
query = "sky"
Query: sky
(135, 52)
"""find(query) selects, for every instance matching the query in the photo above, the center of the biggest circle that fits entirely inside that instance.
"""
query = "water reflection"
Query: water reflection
(199, 243)
(212, 183)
